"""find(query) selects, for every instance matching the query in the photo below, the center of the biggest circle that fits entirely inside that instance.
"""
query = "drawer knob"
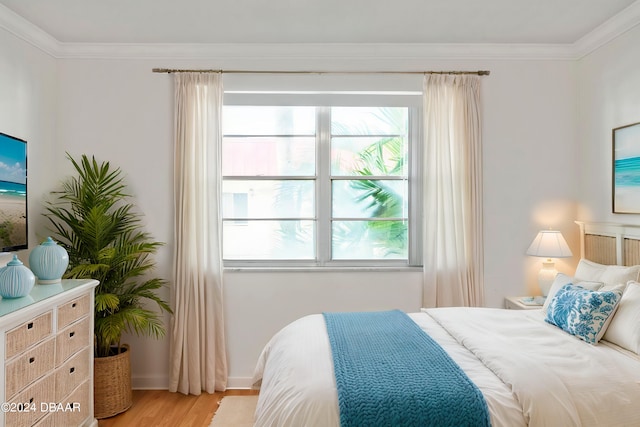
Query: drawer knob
(72, 370)
(74, 305)
(32, 359)
(30, 325)
(71, 334)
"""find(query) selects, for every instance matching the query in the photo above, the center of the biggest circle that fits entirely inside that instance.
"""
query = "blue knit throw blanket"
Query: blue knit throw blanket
(389, 372)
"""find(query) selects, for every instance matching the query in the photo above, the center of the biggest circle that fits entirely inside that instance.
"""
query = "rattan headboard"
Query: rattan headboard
(609, 243)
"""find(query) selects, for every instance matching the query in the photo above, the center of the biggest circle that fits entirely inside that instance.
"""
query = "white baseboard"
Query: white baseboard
(162, 383)
(150, 382)
(239, 382)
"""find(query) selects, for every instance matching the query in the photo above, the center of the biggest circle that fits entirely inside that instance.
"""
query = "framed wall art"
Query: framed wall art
(626, 169)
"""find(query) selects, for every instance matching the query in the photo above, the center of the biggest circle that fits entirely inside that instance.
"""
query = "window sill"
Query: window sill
(329, 269)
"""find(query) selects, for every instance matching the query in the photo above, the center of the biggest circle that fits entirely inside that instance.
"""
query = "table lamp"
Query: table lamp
(548, 244)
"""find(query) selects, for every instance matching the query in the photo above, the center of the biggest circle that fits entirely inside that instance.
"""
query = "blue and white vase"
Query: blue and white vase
(48, 261)
(16, 280)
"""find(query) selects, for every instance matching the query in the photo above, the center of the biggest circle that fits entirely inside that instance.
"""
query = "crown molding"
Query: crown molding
(25, 30)
(614, 27)
(355, 52)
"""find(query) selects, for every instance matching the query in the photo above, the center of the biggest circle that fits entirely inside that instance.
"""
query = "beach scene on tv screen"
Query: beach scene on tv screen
(13, 192)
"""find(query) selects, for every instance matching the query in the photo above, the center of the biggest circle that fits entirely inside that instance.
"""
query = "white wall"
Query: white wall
(529, 170)
(28, 107)
(118, 110)
(608, 97)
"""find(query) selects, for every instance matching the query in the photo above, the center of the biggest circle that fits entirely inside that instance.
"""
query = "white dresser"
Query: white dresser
(46, 343)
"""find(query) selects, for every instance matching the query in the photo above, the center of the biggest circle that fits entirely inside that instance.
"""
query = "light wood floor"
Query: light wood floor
(159, 408)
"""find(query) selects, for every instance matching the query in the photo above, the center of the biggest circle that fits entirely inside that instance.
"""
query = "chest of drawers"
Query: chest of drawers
(46, 344)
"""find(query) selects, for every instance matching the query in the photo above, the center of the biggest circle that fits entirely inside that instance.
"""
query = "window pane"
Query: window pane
(369, 240)
(369, 198)
(254, 120)
(271, 183)
(369, 156)
(235, 205)
(369, 121)
(269, 199)
(269, 156)
(269, 240)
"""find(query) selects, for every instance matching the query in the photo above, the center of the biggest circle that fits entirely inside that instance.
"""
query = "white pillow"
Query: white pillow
(611, 275)
(562, 279)
(589, 270)
(624, 329)
(617, 274)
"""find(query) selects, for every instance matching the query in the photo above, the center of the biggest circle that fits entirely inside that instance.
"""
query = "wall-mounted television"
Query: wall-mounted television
(13, 193)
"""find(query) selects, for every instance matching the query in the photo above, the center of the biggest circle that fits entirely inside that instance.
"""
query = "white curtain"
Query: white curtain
(452, 221)
(198, 355)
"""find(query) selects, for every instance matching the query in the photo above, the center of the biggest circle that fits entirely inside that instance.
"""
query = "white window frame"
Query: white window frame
(323, 210)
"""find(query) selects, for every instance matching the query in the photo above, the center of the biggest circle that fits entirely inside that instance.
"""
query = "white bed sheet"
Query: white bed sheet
(529, 372)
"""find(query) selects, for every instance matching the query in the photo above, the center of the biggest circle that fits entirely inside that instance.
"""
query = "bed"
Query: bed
(532, 367)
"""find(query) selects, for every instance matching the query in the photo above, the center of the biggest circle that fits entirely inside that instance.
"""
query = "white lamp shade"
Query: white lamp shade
(549, 244)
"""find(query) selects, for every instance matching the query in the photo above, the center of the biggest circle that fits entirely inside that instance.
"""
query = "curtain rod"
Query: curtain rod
(170, 70)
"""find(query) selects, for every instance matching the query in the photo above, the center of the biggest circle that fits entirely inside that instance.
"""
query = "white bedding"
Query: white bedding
(530, 372)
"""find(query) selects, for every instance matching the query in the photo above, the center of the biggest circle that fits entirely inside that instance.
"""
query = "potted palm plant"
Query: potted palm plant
(95, 222)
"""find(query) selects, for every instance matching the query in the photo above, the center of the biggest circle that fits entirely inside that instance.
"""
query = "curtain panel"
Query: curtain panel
(198, 355)
(452, 173)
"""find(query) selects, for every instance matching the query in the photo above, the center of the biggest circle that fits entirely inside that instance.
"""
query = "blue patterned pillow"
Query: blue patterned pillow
(582, 312)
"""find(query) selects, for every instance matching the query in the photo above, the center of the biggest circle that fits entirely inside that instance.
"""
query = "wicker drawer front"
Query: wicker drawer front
(47, 421)
(71, 339)
(33, 398)
(27, 334)
(72, 374)
(29, 366)
(73, 310)
(72, 410)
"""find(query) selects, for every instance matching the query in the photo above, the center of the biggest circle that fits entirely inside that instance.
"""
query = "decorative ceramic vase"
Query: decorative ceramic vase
(16, 280)
(48, 261)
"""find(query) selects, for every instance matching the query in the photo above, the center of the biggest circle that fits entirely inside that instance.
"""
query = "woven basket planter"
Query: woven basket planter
(112, 384)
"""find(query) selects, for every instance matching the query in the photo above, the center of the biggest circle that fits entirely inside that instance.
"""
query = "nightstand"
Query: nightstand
(515, 303)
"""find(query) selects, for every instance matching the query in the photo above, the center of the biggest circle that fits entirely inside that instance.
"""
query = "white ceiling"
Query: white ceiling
(318, 21)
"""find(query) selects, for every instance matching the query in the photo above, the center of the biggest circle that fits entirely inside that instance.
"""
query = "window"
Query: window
(318, 185)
